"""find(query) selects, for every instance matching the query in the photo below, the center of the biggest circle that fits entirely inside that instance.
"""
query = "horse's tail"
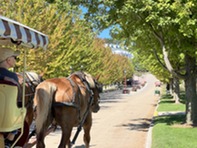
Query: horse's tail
(43, 100)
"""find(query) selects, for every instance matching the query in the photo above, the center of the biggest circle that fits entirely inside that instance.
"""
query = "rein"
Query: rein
(82, 121)
(90, 102)
(72, 104)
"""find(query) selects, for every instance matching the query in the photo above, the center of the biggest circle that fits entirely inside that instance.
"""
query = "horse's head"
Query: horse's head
(96, 88)
(96, 91)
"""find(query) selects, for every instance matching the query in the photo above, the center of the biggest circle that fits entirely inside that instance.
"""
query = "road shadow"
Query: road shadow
(82, 146)
(111, 97)
(79, 146)
(108, 101)
(140, 124)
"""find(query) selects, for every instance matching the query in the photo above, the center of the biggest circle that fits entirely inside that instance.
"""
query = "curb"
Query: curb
(156, 114)
(149, 135)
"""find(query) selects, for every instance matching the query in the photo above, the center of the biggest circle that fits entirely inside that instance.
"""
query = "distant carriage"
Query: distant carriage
(157, 84)
(157, 88)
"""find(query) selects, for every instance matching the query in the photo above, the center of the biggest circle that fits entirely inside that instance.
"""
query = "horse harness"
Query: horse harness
(80, 75)
(30, 82)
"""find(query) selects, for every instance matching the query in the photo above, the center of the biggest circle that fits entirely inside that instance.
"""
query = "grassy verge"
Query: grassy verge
(168, 104)
(169, 131)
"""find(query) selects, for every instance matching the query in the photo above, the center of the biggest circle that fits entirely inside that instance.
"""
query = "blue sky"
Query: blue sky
(105, 34)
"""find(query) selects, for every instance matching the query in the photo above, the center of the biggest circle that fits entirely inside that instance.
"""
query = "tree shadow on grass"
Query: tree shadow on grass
(170, 119)
(167, 98)
(166, 101)
(182, 97)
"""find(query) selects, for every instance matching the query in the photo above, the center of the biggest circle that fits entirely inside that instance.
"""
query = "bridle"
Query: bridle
(98, 88)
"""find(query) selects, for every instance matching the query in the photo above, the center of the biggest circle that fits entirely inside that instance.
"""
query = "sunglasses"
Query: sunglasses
(15, 57)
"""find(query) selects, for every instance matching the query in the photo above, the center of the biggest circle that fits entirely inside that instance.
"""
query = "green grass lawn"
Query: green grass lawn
(169, 131)
(168, 104)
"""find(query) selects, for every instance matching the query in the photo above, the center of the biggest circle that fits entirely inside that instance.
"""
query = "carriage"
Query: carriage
(74, 98)
(13, 33)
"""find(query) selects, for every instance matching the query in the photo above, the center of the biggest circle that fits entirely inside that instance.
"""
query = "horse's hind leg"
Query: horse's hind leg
(86, 137)
(41, 135)
(87, 127)
(65, 139)
(40, 140)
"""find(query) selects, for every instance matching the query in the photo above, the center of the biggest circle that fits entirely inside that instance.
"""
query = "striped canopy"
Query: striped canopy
(14, 32)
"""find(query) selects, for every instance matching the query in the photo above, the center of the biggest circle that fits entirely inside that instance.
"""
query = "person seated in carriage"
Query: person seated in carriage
(7, 61)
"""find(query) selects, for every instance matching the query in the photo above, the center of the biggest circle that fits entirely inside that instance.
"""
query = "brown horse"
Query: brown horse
(68, 102)
(32, 79)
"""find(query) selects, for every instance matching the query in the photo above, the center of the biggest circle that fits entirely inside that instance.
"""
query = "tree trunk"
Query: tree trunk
(190, 90)
(171, 86)
(190, 85)
(176, 90)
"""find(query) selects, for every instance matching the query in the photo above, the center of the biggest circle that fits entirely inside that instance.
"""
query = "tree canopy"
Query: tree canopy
(167, 27)
(73, 43)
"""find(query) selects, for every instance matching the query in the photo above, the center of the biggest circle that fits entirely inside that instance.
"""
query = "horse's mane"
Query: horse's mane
(32, 76)
(90, 80)
(86, 76)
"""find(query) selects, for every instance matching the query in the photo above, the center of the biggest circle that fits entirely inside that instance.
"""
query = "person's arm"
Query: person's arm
(1, 77)
(10, 80)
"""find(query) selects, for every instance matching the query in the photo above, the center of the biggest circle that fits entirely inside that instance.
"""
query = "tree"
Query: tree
(73, 43)
(165, 24)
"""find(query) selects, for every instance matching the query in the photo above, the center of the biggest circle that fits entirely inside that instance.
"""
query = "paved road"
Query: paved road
(122, 122)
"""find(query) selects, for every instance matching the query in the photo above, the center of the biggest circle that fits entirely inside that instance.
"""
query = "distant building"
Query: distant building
(116, 49)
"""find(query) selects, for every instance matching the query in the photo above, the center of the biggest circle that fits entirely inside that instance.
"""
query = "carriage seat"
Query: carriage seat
(11, 117)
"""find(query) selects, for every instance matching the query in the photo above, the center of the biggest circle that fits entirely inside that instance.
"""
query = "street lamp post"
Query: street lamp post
(125, 90)
(125, 79)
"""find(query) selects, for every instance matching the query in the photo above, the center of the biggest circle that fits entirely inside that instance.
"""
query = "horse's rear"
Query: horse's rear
(43, 102)
(57, 99)
(65, 100)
